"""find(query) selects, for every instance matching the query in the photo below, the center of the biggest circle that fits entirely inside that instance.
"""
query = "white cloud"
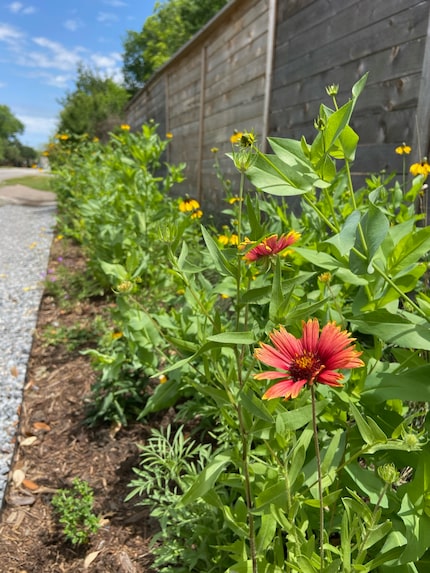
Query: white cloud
(19, 8)
(73, 25)
(106, 17)
(53, 55)
(38, 129)
(10, 35)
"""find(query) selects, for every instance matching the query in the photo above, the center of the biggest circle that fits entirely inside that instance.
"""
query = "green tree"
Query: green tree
(94, 107)
(10, 125)
(12, 151)
(163, 33)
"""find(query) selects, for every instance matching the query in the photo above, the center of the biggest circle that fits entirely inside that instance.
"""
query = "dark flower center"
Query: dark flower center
(305, 366)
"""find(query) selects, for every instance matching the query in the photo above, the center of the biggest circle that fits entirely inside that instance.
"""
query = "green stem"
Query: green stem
(248, 489)
(318, 459)
(361, 551)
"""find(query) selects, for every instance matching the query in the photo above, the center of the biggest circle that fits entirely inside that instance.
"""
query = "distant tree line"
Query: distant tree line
(97, 103)
(12, 151)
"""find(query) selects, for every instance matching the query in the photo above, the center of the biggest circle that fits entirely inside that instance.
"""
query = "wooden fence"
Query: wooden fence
(264, 65)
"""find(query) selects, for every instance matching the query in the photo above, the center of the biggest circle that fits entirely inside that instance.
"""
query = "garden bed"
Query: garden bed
(54, 445)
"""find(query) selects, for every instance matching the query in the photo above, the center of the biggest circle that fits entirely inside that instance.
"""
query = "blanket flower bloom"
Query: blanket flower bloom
(315, 357)
(270, 246)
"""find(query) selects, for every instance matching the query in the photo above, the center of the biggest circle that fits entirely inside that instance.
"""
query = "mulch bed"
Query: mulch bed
(54, 445)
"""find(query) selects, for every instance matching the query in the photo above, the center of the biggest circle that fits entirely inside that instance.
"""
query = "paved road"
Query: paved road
(12, 172)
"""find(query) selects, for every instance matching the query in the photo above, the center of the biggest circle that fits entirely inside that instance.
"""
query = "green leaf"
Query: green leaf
(411, 385)
(223, 266)
(377, 533)
(370, 432)
(207, 479)
(233, 338)
(374, 227)
(358, 87)
(417, 527)
(345, 239)
(266, 532)
(394, 328)
(409, 250)
(255, 406)
(164, 396)
(115, 270)
(296, 419)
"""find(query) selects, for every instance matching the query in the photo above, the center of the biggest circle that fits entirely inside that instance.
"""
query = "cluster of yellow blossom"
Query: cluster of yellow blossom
(422, 168)
(191, 206)
(225, 240)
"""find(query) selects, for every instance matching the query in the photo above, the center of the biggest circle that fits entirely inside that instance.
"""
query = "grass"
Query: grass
(39, 182)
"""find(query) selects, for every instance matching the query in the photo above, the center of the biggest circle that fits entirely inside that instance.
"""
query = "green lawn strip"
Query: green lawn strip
(39, 182)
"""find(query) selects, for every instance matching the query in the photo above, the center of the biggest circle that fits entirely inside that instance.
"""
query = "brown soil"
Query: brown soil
(54, 445)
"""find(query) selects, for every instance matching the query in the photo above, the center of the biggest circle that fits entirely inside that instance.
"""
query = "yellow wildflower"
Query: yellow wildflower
(403, 149)
(223, 240)
(63, 137)
(234, 239)
(188, 204)
(125, 127)
(234, 200)
(214, 149)
(236, 137)
(197, 214)
(325, 277)
(422, 168)
(116, 335)
(162, 379)
(169, 135)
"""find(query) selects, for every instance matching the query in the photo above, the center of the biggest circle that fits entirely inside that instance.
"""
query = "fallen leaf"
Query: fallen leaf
(14, 371)
(18, 477)
(90, 558)
(28, 441)
(32, 485)
(20, 500)
(41, 426)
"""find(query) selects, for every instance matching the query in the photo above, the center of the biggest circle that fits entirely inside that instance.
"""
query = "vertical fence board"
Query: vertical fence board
(266, 66)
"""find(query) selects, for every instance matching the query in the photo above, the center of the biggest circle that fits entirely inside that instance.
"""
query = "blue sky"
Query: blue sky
(41, 44)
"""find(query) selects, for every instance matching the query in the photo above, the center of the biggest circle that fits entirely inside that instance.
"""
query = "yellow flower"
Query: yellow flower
(325, 277)
(116, 335)
(243, 138)
(422, 168)
(63, 137)
(162, 379)
(34, 166)
(45, 153)
(234, 239)
(224, 296)
(403, 149)
(169, 135)
(188, 204)
(58, 238)
(197, 214)
(96, 139)
(223, 240)
(214, 149)
(236, 137)
(125, 127)
(234, 200)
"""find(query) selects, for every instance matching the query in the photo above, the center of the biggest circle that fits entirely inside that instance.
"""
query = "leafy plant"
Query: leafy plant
(74, 507)
(189, 536)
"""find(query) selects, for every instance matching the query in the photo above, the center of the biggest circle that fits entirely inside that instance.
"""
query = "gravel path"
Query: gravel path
(25, 240)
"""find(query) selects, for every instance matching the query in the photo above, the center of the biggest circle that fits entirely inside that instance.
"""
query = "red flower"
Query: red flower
(313, 358)
(271, 246)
